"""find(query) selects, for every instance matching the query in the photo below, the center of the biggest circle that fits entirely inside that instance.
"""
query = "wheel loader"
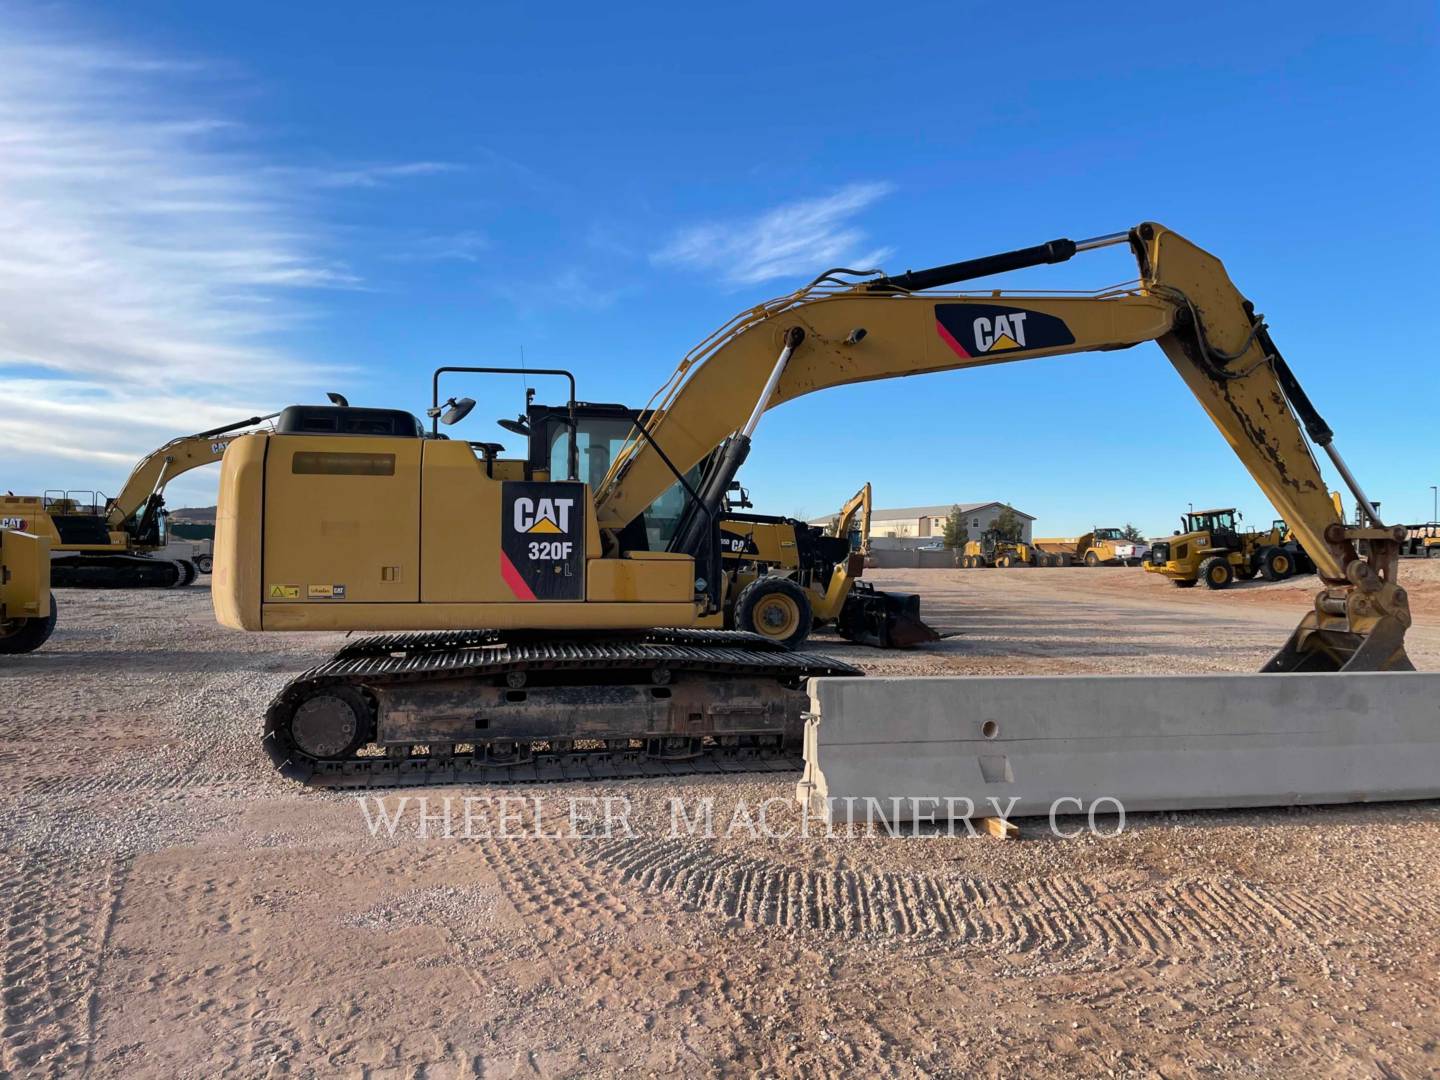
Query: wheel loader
(28, 610)
(785, 577)
(122, 542)
(540, 620)
(1210, 547)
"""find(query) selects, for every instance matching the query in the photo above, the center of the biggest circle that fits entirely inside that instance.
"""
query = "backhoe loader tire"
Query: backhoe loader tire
(775, 608)
(1092, 559)
(1004, 562)
(29, 634)
(1276, 564)
(1216, 572)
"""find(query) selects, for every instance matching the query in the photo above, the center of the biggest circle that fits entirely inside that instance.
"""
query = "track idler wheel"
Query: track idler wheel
(329, 724)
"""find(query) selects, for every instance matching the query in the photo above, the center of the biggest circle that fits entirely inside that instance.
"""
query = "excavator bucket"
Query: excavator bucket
(882, 619)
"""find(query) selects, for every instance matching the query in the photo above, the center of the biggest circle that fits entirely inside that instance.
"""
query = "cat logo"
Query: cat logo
(1002, 332)
(543, 515)
(18, 524)
(973, 328)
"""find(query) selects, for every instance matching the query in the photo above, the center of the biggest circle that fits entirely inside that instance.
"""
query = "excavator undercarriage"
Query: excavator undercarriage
(487, 706)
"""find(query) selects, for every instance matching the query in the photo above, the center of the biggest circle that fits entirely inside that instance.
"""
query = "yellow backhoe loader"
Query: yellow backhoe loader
(785, 577)
(549, 621)
(97, 542)
(27, 608)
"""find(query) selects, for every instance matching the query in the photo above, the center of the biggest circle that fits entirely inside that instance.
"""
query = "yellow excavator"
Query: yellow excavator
(97, 542)
(547, 621)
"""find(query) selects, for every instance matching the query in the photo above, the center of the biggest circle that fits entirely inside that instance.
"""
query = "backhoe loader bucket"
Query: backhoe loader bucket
(884, 620)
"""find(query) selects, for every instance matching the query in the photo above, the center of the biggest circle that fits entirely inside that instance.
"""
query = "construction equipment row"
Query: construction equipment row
(1099, 547)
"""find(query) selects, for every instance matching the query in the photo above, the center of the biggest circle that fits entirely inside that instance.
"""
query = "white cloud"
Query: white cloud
(797, 239)
(361, 176)
(148, 261)
(466, 245)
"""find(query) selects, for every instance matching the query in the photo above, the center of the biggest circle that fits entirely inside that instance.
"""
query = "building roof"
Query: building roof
(905, 513)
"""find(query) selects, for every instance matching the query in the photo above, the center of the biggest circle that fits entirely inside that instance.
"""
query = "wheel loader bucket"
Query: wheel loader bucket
(882, 619)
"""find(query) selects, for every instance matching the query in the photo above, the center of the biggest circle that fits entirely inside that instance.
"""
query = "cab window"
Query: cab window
(598, 440)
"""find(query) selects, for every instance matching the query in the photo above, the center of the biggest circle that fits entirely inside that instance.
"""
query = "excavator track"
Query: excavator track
(496, 707)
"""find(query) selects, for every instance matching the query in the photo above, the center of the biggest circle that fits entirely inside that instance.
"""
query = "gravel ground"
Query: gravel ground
(172, 908)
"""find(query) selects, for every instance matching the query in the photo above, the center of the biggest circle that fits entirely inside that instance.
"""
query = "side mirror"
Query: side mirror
(457, 411)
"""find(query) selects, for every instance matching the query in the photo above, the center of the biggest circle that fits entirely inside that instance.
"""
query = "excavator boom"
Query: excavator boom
(160, 466)
(833, 334)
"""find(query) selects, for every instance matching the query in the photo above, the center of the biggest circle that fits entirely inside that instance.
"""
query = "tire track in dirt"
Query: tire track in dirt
(598, 939)
(55, 914)
(1061, 914)
(166, 780)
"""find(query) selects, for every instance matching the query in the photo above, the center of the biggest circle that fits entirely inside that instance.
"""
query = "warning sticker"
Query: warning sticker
(284, 592)
(325, 592)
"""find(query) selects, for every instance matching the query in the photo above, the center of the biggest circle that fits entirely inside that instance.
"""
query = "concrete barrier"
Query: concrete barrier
(911, 559)
(896, 749)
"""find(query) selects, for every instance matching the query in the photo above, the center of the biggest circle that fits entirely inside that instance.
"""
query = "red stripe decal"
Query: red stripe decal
(513, 579)
(949, 339)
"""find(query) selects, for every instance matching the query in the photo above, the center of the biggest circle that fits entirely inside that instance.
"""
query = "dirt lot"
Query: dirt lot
(172, 908)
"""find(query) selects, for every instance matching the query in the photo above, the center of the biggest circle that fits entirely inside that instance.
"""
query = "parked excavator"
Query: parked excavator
(120, 543)
(547, 623)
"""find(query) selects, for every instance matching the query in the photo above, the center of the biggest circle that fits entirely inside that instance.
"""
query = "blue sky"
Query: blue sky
(208, 211)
